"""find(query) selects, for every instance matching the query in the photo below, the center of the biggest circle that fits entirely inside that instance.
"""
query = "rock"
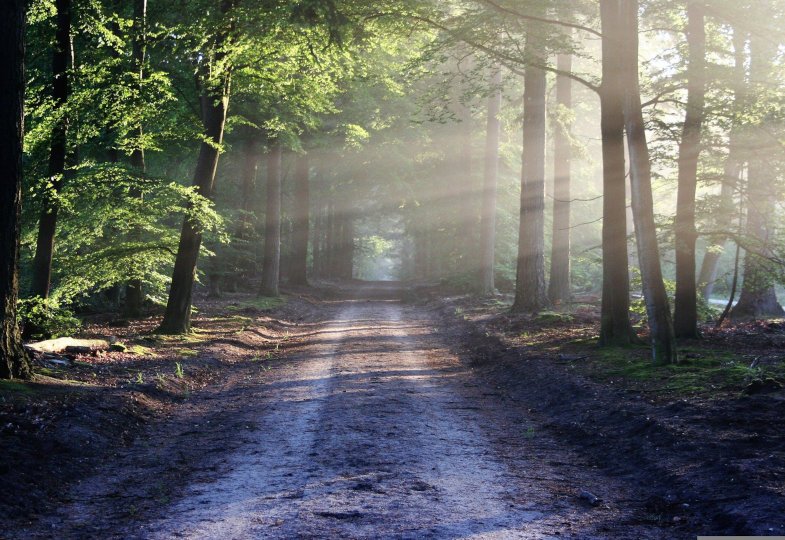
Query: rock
(60, 344)
(589, 498)
(117, 347)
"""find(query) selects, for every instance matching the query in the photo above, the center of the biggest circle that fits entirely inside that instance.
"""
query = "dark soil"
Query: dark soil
(708, 458)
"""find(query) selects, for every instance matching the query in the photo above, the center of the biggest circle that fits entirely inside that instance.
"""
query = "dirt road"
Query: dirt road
(370, 428)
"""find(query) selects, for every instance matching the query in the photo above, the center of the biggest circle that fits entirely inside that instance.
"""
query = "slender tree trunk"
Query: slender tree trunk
(654, 295)
(559, 284)
(299, 269)
(489, 187)
(272, 224)
(758, 297)
(685, 317)
(14, 362)
(615, 326)
(467, 210)
(47, 224)
(530, 291)
(214, 104)
(133, 289)
(731, 175)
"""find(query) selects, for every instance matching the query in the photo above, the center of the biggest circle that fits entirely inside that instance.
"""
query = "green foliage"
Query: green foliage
(48, 316)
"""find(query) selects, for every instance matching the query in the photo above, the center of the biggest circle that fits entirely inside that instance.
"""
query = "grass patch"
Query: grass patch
(261, 303)
(552, 317)
(700, 371)
(140, 350)
(188, 352)
(16, 387)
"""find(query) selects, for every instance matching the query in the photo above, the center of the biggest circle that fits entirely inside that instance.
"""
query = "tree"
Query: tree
(722, 218)
(272, 223)
(685, 317)
(14, 362)
(615, 326)
(530, 291)
(758, 297)
(559, 282)
(45, 244)
(213, 77)
(489, 187)
(298, 273)
(660, 323)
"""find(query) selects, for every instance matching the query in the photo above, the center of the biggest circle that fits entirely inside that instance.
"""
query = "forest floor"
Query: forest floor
(346, 412)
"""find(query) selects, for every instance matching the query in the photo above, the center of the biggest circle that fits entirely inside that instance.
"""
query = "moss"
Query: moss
(140, 350)
(552, 317)
(15, 387)
(188, 352)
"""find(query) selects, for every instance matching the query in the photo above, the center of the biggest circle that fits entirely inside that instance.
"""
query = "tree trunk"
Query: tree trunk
(758, 297)
(467, 209)
(133, 289)
(272, 224)
(660, 324)
(299, 262)
(685, 317)
(615, 327)
(731, 175)
(45, 242)
(214, 104)
(490, 184)
(14, 361)
(530, 291)
(559, 283)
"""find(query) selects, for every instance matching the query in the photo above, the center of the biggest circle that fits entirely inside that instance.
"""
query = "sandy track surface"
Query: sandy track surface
(360, 437)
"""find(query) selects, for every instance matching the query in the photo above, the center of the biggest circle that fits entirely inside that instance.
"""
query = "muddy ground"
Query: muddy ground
(345, 412)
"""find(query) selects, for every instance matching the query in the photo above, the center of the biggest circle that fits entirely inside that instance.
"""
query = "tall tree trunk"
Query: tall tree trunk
(490, 184)
(660, 323)
(214, 102)
(133, 289)
(685, 317)
(615, 326)
(731, 174)
(758, 297)
(559, 283)
(271, 266)
(467, 210)
(47, 224)
(299, 268)
(14, 362)
(530, 291)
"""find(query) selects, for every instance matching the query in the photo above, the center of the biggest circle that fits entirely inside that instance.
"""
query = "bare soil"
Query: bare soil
(346, 413)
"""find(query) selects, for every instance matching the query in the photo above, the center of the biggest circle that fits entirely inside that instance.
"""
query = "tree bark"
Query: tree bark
(615, 326)
(660, 323)
(559, 283)
(271, 266)
(47, 224)
(530, 291)
(685, 317)
(299, 267)
(490, 185)
(14, 361)
(758, 297)
(214, 101)
(467, 209)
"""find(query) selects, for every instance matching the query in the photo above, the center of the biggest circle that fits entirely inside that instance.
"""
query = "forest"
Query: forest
(406, 268)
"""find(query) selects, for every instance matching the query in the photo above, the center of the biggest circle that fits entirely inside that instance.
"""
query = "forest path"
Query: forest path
(367, 425)
(362, 435)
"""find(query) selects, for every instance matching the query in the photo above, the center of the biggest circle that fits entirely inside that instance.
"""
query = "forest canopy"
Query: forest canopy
(629, 152)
